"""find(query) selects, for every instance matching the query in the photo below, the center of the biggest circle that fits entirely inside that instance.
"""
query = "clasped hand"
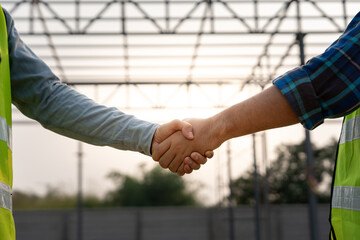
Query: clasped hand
(182, 146)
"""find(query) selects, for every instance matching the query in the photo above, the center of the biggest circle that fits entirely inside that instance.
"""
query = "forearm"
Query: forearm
(72, 114)
(38, 94)
(266, 110)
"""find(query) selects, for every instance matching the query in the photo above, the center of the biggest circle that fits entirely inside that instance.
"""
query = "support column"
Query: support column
(80, 195)
(313, 218)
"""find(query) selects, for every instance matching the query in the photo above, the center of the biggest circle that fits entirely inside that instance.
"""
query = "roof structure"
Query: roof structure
(159, 54)
(161, 48)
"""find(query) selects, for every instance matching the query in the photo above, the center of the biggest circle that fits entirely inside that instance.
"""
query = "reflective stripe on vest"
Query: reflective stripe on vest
(350, 131)
(5, 196)
(345, 202)
(5, 132)
(346, 197)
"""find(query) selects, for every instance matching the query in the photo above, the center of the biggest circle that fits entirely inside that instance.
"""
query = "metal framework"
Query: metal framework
(156, 53)
(160, 49)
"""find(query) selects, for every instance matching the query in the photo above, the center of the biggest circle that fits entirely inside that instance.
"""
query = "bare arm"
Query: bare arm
(268, 109)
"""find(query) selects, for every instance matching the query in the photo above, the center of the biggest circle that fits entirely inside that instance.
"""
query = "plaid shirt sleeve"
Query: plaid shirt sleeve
(328, 85)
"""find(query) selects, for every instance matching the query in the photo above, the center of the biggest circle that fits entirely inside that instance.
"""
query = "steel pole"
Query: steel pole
(266, 187)
(314, 230)
(230, 207)
(257, 194)
(80, 194)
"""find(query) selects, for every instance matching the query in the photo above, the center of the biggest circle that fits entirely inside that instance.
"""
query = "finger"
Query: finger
(180, 170)
(176, 163)
(209, 154)
(167, 158)
(158, 150)
(165, 130)
(187, 169)
(187, 130)
(192, 164)
(198, 158)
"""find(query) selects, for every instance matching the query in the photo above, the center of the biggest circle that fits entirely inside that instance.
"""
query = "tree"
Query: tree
(288, 176)
(54, 198)
(154, 188)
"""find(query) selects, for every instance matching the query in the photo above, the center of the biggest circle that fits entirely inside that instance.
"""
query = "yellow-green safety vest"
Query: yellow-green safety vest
(7, 226)
(345, 203)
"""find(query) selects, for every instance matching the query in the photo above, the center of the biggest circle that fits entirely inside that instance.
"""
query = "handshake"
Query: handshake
(182, 146)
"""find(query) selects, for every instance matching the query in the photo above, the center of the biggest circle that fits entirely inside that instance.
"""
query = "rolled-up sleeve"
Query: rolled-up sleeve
(40, 95)
(328, 85)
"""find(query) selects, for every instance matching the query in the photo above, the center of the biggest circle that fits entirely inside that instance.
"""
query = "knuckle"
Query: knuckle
(155, 157)
(203, 160)
(176, 122)
(195, 167)
(163, 164)
(155, 154)
(172, 168)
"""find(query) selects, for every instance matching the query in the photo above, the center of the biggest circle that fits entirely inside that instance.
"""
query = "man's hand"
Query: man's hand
(266, 110)
(166, 130)
(172, 151)
(193, 162)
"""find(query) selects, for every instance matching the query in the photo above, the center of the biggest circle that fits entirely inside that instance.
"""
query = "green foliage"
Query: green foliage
(155, 188)
(288, 176)
(54, 198)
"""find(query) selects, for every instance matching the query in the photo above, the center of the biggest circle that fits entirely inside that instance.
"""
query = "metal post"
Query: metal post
(210, 224)
(345, 13)
(80, 195)
(256, 15)
(138, 223)
(266, 187)
(230, 207)
(31, 17)
(77, 15)
(314, 231)
(257, 194)
(167, 15)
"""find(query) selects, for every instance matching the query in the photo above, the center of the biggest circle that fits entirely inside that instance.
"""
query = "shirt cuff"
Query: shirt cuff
(148, 139)
(297, 88)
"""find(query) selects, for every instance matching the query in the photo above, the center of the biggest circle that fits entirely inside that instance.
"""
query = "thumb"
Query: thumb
(167, 129)
(187, 130)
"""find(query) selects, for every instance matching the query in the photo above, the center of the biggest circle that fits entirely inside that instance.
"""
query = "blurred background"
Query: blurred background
(166, 59)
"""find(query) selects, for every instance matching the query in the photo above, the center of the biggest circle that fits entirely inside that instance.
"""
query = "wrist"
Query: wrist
(153, 141)
(217, 130)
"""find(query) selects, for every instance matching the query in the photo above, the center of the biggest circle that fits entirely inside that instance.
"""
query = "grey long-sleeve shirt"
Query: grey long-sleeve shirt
(38, 94)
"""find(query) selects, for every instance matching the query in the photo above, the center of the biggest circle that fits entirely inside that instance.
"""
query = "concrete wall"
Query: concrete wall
(286, 222)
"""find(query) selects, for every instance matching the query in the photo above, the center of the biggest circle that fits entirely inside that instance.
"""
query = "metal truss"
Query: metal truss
(160, 49)
(155, 54)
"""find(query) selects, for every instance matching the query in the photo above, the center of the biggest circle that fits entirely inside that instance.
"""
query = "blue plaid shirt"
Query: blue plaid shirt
(328, 85)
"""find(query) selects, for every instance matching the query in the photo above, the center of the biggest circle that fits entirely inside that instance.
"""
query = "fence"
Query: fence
(180, 223)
